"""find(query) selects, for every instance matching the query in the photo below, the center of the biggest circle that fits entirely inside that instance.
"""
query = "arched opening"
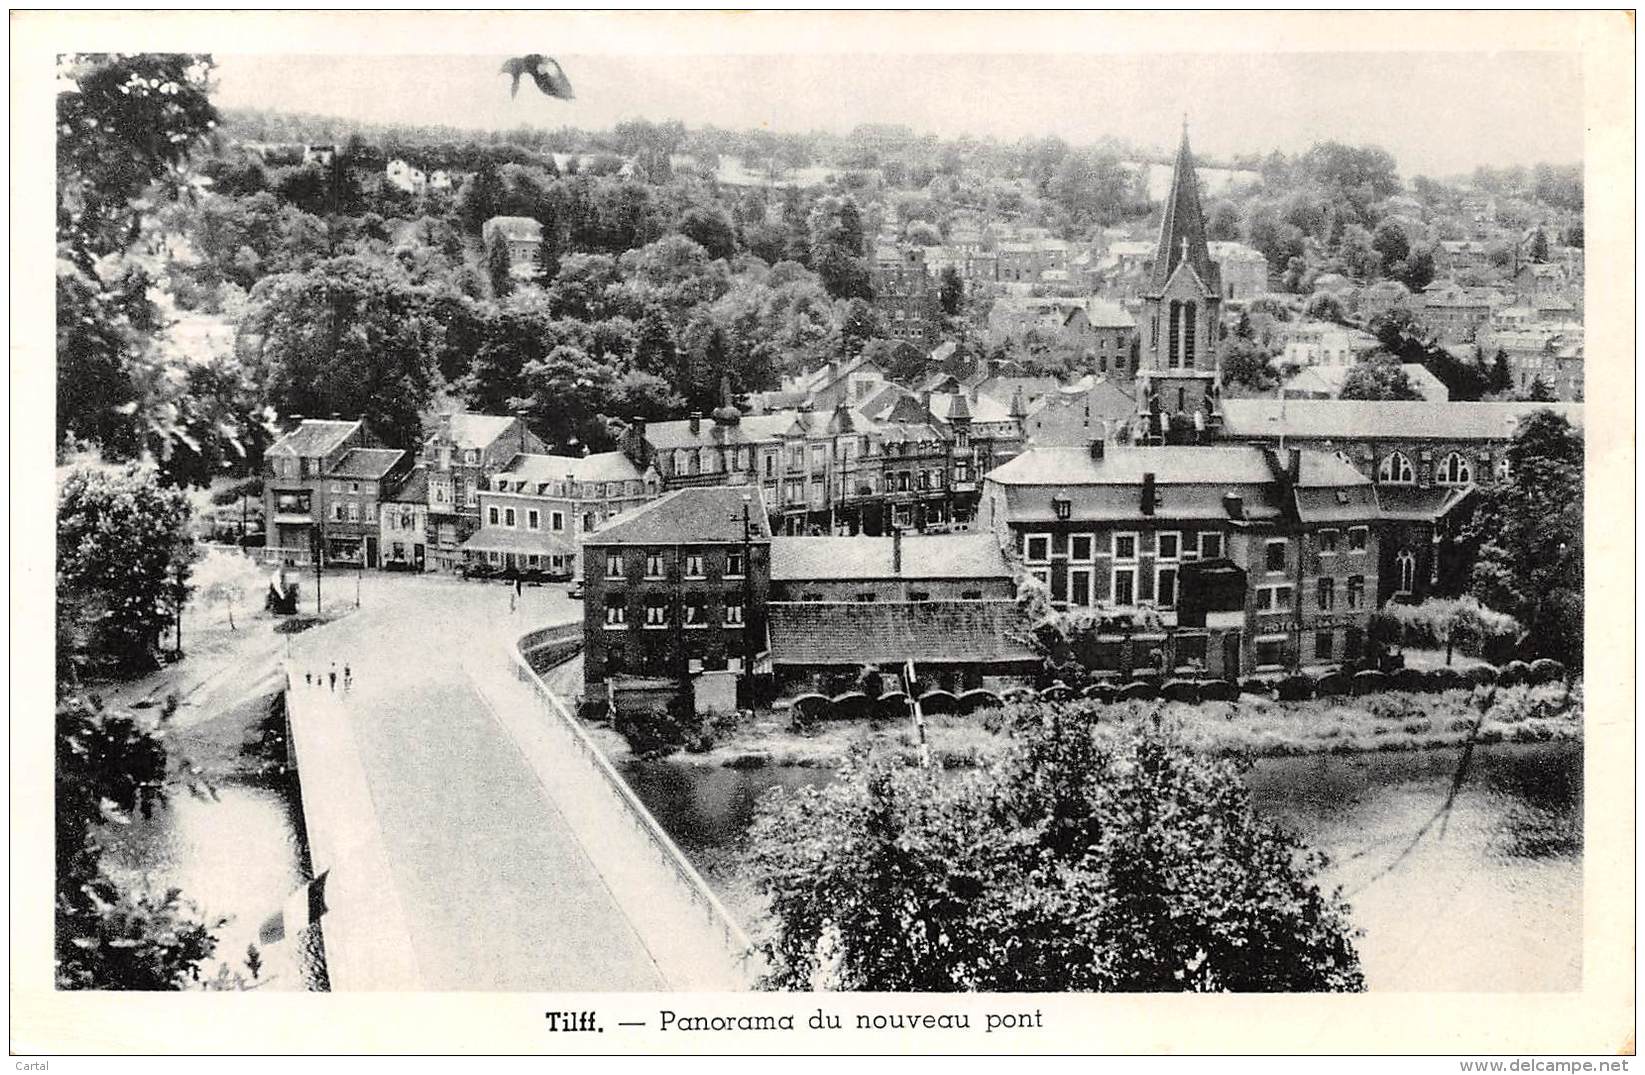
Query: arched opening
(1396, 469)
(1455, 470)
(1405, 570)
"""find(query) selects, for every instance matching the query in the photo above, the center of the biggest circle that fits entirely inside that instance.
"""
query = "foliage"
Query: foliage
(115, 932)
(346, 338)
(1379, 377)
(666, 729)
(1073, 863)
(226, 579)
(1246, 362)
(123, 555)
(1529, 531)
(1449, 622)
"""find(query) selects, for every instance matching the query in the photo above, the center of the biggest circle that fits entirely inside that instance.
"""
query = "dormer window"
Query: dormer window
(1062, 507)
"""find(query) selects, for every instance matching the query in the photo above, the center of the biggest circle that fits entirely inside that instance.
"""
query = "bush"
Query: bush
(1297, 688)
(661, 730)
(1514, 673)
(1482, 674)
(1546, 670)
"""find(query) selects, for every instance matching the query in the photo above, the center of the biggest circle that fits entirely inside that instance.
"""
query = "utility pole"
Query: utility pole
(748, 601)
(319, 558)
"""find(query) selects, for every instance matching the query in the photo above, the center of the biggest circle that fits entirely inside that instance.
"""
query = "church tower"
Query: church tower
(1181, 305)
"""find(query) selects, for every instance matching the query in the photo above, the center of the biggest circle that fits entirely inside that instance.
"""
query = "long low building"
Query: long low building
(1393, 443)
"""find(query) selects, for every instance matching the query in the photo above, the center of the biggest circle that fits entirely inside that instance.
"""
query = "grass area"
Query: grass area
(1394, 720)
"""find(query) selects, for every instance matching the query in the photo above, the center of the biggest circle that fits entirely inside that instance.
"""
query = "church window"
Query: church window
(1396, 469)
(1455, 470)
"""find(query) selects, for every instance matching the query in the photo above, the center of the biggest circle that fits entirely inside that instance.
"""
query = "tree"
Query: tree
(1539, 247)
(951, 291)
(1379, 378)
(499, 269)
(1393, 245)
(1448, 621)
(1529, 533)
(225, 578)
(350, 337)
(123, 553)
(111, 932)
(710, 229)
(1539, 391)
(1324, 306)
(1501, 377)
(1246, 362)
(1082, 860)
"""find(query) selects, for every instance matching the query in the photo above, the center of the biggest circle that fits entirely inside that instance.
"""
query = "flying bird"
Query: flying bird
(543, 70)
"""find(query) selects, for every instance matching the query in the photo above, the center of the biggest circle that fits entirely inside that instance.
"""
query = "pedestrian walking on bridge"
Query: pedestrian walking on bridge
(334, 677)
(348, 677)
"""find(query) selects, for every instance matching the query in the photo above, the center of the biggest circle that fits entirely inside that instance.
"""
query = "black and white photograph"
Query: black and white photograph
(838, 512)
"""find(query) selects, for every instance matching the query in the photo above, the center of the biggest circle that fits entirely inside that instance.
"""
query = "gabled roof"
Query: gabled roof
(366, 463)
(1346, 419)
(514, 227)
(599, 467)
(924, 556)
(478, 430)
(1182, 228)
(1422, 503)
(890, 632)
(702, 515)
(1105, 314)
(413, 489)
(315, 437)
(1234, 465)
(753, 428)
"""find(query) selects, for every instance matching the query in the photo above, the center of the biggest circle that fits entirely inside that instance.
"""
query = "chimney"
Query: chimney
(1293, 466)
(896, 550)
(1234, 505)
(1148, 493)
(1097, 449)
(696, 422)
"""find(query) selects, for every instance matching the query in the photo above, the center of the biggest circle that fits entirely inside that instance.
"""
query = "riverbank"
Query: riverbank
(1251, 726)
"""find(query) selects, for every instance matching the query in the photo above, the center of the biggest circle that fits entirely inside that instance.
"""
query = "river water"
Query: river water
(238, 856)
(1487, 898)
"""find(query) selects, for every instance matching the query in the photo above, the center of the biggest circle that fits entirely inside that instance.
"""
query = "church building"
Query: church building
(1181, 306)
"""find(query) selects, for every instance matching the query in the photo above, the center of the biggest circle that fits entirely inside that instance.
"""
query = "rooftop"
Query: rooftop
(477, 430)
(890, 632)
(1126, 466)
(924, 556)
(711, 514)
(413, 489)
(314, 437)
(1347, 419)
(600, 467)
(366, 463)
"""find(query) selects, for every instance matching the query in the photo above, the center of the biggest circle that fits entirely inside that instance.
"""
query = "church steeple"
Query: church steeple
(1182, 227)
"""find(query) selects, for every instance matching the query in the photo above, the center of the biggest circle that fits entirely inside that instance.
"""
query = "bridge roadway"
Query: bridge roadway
(454, 865)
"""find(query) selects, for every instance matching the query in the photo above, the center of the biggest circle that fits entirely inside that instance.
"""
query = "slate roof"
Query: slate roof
(1190, 483)
(1420, 502)
(708, 514)
(1240, 465)
(1104, 314)
(1183, 220)
(514, 227)
(412, 490)
(478, 430)
(884, 632)
(314, 437)
(752, 429)
(366, 463)
(1347, 419)
(600, 467)
(924, 556)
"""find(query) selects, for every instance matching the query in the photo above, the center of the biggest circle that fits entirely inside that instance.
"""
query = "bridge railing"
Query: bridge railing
(688, 881)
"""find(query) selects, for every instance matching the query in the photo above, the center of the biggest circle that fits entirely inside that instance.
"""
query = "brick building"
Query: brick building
(676, 588)
(460, 455)
(323, 483)
(1137, 536)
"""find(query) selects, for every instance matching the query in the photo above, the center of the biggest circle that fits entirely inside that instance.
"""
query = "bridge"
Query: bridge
(476, 837)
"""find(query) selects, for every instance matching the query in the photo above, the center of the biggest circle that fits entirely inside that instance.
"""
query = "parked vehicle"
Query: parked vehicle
(576, 591)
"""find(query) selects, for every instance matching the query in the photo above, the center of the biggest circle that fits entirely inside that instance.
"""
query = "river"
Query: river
(238, 856)
(1488, 901)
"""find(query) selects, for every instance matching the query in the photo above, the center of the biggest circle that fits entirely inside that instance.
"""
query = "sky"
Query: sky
(1438, 113)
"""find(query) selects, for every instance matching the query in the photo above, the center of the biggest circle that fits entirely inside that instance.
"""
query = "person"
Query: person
(514, 597)
(334, 677)
(348, 677)
(308, 677)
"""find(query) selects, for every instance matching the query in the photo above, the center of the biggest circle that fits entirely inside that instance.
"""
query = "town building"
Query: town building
(537, 509)
(521, 236)
(1226, 560)
(676, 590)
(405, 176)
(1244, 271)
(323, 483)
(1181, 303)
(1326, 382)
(905, 294)
(403, 522)
(1093, 408)
(1324, 343)
(459, 455)
(1454, 313)
(840, 606)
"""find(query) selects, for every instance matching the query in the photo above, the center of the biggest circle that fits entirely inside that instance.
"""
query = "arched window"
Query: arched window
(1455, 470)
(1396, 469)
(1405, 567)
